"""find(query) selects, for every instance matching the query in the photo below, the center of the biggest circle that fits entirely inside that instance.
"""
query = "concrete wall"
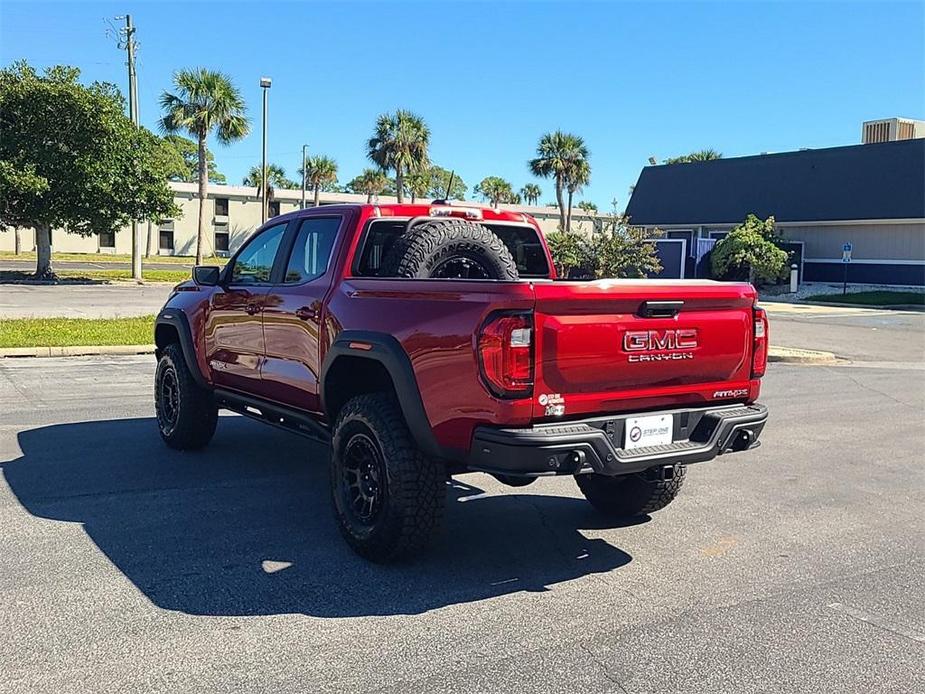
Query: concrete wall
(243, 218)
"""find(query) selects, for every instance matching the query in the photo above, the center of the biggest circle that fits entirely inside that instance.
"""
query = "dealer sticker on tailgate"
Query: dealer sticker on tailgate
(655, 430)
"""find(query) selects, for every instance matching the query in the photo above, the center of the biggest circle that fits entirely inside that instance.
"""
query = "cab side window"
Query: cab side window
(311, 251)
(254, 263)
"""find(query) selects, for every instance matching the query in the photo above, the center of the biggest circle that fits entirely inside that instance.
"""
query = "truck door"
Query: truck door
(234, 331)
(293, 315)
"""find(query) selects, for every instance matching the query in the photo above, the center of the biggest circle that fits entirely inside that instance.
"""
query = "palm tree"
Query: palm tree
(276, 178)
(370, 181)
(205, 101)
(531, 193)
(319, 171)
(556, 154)
(496, 190)
(577, 175)
(399, 144)
(418, 183)
(701, 155)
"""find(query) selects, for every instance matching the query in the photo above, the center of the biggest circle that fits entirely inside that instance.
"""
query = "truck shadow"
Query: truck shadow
(245, 527)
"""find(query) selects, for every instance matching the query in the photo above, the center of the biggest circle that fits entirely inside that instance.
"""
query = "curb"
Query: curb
(789, 355)
(793, 355)
(890, 307)
(86, 351)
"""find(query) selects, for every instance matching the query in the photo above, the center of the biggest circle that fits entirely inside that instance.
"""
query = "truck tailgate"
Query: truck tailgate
(617, 345)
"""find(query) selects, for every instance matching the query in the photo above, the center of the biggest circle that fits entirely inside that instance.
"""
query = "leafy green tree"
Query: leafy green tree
(623, 251)
(319, 172)
(556, 156)
(205, 101)
(617, 250)
(587, 207)
(276, 179)
(370, 182)
(750, 251)
(400, 144)
(495, 189)
(187, 170)
(70, 158)
(531, 193)
(701, 155)
(439, 179)
(417, 183)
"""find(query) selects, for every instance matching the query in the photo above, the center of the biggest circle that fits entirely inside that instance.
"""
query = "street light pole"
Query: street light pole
(130, 46)
(304, 172)
(265, 83)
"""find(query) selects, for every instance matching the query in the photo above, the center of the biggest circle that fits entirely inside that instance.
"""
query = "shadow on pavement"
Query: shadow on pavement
(245, 527)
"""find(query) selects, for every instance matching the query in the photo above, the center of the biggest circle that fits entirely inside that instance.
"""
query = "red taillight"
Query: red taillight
(505, 349)
(760, 349)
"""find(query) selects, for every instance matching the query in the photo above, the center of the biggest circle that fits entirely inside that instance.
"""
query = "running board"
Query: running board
(274, 414)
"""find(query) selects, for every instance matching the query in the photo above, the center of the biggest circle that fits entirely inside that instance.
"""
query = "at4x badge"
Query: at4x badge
(554, 404)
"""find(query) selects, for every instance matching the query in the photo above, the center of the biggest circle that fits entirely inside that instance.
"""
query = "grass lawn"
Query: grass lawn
(67, 332)
(875, 298)
(106, 258)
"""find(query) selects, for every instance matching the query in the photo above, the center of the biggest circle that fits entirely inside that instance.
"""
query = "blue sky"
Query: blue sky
(635, 80)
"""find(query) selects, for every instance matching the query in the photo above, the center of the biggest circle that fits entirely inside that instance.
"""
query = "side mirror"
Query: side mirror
(206, 275)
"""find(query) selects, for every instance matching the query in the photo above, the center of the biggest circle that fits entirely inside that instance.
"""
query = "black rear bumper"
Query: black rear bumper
(594, 445)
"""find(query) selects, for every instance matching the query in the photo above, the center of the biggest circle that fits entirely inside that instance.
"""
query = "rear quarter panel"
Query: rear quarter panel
(436, 321)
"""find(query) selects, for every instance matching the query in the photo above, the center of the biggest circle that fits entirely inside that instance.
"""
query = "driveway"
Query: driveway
(127, 566)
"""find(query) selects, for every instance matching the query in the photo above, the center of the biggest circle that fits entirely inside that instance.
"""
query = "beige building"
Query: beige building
(232, 214)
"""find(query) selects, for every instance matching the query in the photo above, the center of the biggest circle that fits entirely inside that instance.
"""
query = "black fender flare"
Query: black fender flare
(388, 351)
(177, 320)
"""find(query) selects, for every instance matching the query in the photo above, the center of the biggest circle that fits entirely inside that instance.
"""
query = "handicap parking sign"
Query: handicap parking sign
(846, 253)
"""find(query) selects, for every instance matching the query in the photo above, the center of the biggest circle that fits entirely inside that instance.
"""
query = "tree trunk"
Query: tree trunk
(152, 239)
(414, 196)
(203, 191)
(568, 214)
(369, 197)
(17, 241)
(399, 184)
(559, 200)
(43, 270)
(318, 196)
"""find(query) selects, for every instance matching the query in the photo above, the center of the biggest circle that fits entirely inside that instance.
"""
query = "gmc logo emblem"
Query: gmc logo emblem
(659, 340)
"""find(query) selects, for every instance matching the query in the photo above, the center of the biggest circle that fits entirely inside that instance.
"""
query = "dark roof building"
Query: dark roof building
(871, 196)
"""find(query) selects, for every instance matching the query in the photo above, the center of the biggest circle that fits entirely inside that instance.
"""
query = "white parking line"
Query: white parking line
(881, 622)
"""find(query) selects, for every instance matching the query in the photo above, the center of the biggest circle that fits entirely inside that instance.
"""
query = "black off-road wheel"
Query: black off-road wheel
(388, 498)
(450, 248)
(186, 412)
(630, 495)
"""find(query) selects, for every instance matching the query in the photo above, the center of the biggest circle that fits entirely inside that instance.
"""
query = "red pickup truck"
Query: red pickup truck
(424, 341)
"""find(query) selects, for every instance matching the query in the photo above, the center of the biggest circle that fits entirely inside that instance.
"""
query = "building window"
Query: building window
(221, 207)
(165, 233)
(221, 238)
(273, 210)
(107, 239)
(718, 235)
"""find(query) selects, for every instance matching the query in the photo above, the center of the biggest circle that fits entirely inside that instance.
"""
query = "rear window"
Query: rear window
(522, 241)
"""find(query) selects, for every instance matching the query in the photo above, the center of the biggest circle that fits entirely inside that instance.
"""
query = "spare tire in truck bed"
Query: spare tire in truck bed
(450, 248)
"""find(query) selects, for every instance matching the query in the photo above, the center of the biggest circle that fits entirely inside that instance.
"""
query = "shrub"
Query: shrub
(750, 252)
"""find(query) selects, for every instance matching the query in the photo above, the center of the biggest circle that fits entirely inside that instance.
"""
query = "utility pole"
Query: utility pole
(304, 172)
(130, 46)
(265, 83)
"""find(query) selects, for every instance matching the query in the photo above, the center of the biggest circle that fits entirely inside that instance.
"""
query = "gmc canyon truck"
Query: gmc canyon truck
(423, 341)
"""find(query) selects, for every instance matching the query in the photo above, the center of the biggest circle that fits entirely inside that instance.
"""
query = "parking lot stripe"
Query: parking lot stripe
(881, 622)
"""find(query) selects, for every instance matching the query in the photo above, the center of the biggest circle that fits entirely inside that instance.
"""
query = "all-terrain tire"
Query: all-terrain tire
(630, 495)
(408, 490)
(429, 250)
(186, 412)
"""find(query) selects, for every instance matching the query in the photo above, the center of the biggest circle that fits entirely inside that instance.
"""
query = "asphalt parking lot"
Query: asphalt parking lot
(797, 568)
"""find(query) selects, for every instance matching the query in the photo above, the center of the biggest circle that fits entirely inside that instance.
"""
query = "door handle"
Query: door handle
(307, 313)
(252, 308)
